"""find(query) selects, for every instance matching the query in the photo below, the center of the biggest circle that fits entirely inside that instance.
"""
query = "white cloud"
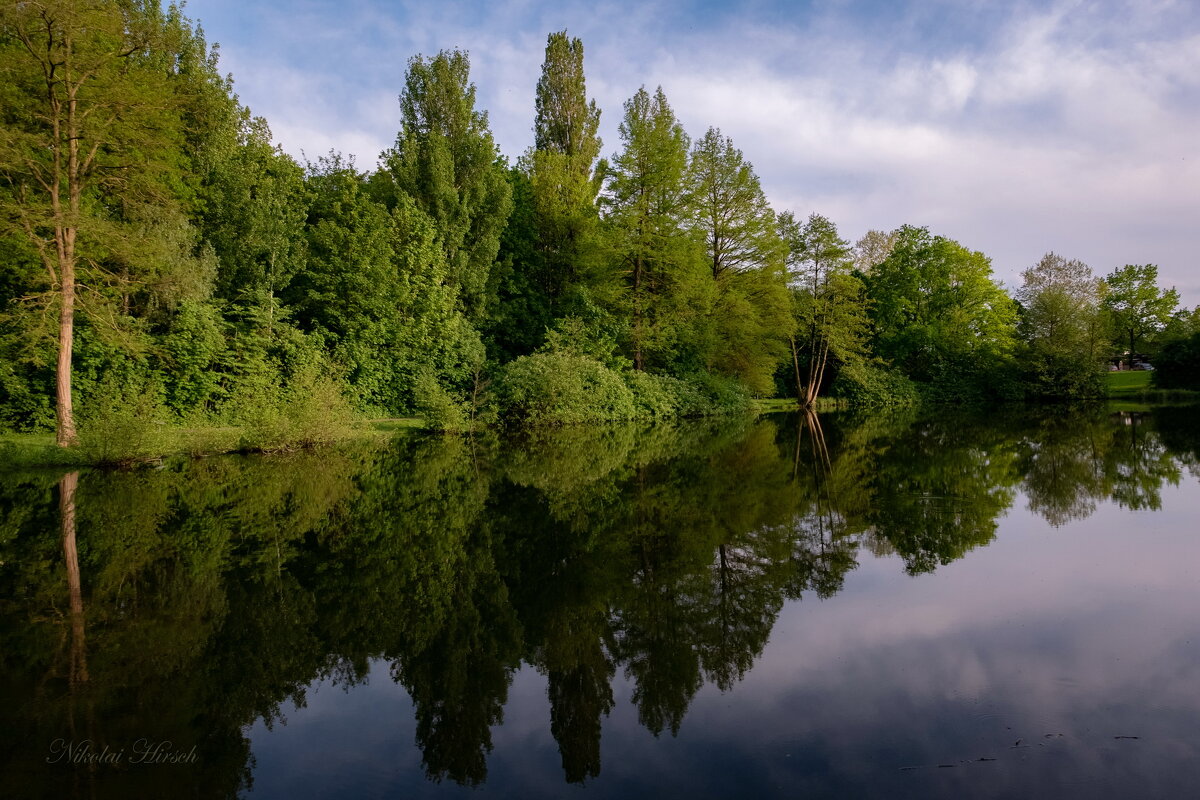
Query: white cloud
(1071, 128)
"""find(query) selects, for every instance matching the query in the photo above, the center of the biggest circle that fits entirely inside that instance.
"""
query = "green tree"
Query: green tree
(1061, 326)
(560, 266)
(828, 301)
(746, 258)
(648, 204)
(446, 160)
(254, 217)
(939, 315)
(89, 144)
(1137, 307)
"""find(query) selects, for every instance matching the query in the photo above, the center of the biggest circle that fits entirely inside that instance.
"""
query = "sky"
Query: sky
(1016, 128)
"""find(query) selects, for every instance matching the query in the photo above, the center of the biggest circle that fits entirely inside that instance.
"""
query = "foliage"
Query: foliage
(555, 389)
(311, 411)
(869, 384)
(121, 425)
(1137, 306)
(940, 317)
(1177, 365)
(445, 160)
(1061, 328)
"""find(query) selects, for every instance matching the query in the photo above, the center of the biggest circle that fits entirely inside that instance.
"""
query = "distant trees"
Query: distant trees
(1061, 327)
(1136, 305)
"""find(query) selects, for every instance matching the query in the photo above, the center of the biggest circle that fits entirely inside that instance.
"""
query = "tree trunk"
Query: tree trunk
(796, 365)
(637, 315)
(64, 414)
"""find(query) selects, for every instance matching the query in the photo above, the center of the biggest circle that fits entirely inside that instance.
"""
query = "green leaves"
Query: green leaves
(446, 161)
(1137, 307)
(1061, 327)
(939, 315)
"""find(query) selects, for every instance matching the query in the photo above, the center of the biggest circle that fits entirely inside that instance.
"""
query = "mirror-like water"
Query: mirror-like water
(883, 606)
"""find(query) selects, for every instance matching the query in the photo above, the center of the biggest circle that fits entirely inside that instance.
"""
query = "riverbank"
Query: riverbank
(1137, 387)
(40, 450)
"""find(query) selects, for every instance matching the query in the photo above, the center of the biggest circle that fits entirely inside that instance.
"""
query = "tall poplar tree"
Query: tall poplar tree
(561, 169)
(446, 160)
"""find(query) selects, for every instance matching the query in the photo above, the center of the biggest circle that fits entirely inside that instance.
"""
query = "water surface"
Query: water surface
(865, 606)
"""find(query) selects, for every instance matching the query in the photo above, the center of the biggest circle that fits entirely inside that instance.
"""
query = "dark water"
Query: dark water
(1005, 606)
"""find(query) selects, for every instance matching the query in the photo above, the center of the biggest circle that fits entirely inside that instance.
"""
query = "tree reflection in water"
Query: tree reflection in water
(214, 592)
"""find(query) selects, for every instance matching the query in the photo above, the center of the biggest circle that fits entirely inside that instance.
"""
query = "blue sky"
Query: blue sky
(1016, 128)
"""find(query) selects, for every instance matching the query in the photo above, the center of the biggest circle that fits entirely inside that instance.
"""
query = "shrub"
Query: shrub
(657, 396)
(872, 385)
(558, 389)
(1177, 365)
(122, 425)
(440, 410)
(311, 410)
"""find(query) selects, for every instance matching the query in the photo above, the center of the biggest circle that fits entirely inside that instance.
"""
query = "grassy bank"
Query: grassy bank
(1136, 388)
(39, 449)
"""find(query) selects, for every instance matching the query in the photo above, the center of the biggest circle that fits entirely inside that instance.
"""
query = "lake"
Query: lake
(891, 605)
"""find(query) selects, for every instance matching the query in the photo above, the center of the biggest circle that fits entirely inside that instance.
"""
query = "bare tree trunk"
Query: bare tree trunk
(637, 316)
(796, 365)
(63, 411)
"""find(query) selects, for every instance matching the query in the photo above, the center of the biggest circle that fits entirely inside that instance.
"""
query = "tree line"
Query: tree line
(166, 261)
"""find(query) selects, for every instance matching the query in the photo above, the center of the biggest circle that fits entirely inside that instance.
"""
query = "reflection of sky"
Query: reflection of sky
(1089, 631)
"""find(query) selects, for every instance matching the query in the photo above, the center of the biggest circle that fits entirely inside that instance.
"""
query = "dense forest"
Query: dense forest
(164, 261)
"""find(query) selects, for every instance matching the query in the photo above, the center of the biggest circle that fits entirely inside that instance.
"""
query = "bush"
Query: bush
(660, 396)
(123, 425)
(872, 386)
(311, 410)
(440, 410)
(557, 389)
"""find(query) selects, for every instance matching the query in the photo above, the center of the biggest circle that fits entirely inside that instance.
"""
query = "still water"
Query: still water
(891, 606)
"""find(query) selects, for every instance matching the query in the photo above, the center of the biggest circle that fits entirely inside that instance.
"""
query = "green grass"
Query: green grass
(1133, 390)
(772, 405)
(1132, 383)
(39, 449)
(396, 424)
(777, 405)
